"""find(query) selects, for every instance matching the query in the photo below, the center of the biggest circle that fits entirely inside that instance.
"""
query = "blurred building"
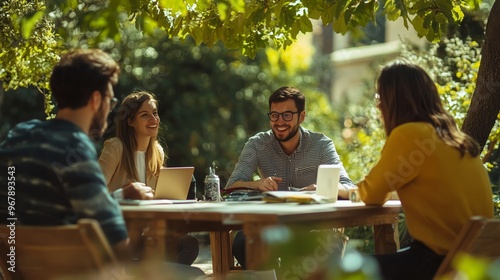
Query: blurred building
(355, 60)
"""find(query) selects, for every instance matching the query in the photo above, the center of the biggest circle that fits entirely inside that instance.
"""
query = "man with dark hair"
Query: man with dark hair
(285, 156)
(54, 176)
(57, 177)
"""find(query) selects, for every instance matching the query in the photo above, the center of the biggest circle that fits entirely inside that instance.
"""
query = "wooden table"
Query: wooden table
(253, 217)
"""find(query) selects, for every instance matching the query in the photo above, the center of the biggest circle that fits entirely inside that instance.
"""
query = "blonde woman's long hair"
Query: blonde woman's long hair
(127, 111)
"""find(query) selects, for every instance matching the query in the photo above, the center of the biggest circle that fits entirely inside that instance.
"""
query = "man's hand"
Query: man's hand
(311, 187)
(268, 184)
(137, 190)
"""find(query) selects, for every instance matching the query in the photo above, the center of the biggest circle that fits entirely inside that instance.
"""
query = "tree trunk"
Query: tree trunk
(485, 103)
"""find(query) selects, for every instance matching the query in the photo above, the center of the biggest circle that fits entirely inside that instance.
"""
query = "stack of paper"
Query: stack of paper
(299, 197)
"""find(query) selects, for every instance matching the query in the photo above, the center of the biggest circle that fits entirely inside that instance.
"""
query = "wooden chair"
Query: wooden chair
(479, 238)
(48, 252)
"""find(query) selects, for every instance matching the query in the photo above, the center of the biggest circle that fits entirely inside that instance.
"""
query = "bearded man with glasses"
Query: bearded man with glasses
(286, 157)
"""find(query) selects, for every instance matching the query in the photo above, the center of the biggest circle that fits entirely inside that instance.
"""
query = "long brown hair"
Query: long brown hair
(127, 111)
(408, 94)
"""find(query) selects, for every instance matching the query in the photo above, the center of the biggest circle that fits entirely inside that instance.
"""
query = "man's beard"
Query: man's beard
(98, 125)
(292, 133)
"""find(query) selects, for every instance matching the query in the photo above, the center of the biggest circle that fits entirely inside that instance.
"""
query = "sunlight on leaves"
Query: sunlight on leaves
(28, 23)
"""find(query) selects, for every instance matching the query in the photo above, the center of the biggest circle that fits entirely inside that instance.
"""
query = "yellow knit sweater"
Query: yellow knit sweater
(438, 189)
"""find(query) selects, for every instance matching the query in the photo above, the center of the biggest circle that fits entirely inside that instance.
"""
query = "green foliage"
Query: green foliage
(316, 254)
(20, 105)
(34, 33)
(28, 46)
(250, 25)
(474, 268)
(454, 65)
(211, 99)
(362, 135)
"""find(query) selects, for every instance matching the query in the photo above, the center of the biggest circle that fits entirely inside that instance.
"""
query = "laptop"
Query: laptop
(174, 183)
(327, 182)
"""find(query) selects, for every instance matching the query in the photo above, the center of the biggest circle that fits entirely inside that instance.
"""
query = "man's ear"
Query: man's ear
(95, 101)
(302, 116)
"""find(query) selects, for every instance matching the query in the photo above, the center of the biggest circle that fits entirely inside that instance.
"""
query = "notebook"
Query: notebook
(174, 183)
(327, 182)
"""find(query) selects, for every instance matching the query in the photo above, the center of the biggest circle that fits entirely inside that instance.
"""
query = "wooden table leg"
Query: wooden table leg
(257, 251)
(155, 240)
(222, 257)
(386, 238)
(135, 227)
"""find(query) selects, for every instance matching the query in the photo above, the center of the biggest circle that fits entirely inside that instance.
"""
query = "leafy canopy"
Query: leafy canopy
(33, 33)
(250, 25)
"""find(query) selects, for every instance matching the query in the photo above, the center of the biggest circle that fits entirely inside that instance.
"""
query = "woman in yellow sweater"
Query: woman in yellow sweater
(433, 166)
(135, 155)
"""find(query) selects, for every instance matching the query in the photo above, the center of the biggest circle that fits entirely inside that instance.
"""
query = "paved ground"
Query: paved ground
(204, 260)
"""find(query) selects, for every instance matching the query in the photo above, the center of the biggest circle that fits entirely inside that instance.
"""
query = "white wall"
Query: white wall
(354, 65)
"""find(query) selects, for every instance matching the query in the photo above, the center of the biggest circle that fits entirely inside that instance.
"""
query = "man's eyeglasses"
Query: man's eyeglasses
(287, 115)
(112, 102)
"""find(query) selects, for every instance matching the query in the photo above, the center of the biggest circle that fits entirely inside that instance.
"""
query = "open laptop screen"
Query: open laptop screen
(174, 182)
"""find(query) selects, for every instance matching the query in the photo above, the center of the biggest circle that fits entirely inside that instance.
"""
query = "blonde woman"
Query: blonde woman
(135, 155)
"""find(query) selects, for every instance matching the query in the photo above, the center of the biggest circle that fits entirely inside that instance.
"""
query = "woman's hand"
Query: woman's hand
(137, 190)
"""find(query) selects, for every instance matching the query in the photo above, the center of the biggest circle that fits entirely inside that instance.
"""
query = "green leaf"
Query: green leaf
(258, 16)
(219, 32)
(327, 15)
(398, 10)
(427, 21)
(418, 24)
(433, 35)
(421, 5)
(314, 14)
(340, 7)
(238, 5)
(197, 34)
(222, 9)
(458, 14)
(28, 23)
(391, 11)
(149, 25)
(339, 25)
(305, 25)
(347, 15)
(64, 6)
(208, 36)
(174, 6)
(294, 31)
(440, 18)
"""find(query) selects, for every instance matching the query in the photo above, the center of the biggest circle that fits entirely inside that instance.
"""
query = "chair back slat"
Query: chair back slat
(49, 252)
(479, 238)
